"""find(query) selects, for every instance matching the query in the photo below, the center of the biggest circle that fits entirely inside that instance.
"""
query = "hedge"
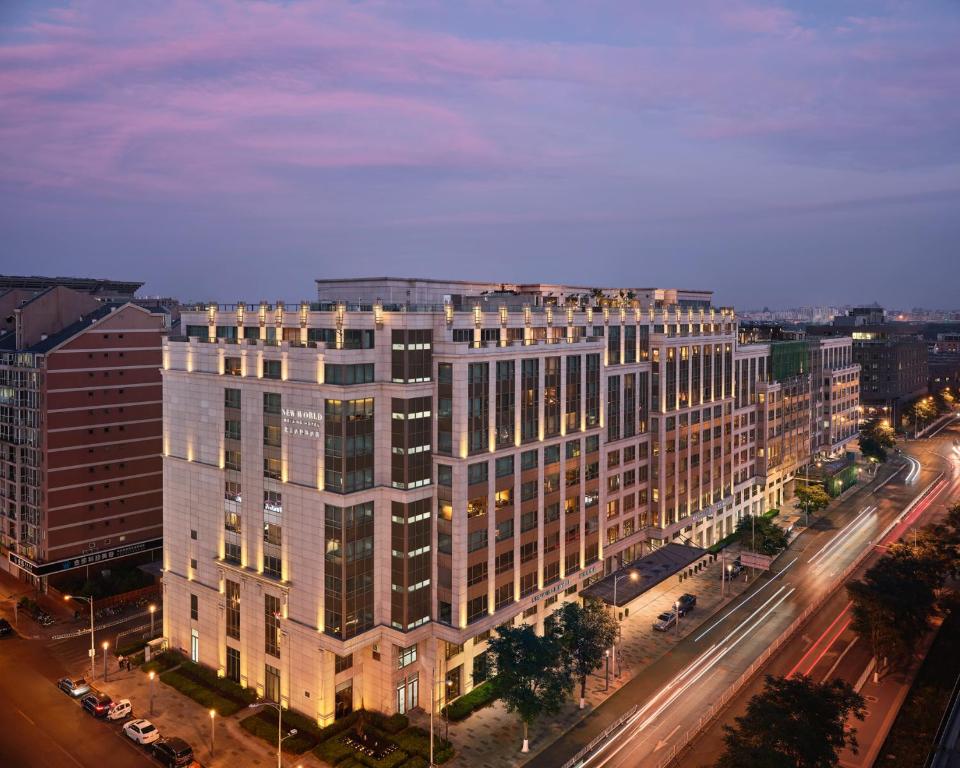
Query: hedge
(222, 685)
(416, 762)
(263, 729)
(333, 751)
(390, 725)
(416, 741)
(201, 694)
(481, 696)
(163, 661)
(393, 760)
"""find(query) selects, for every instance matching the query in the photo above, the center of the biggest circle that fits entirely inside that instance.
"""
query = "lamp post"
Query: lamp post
(152, 676)
(606, 683)
(93, 651)
(153, 610)
(213, 731)
(280, 737)
(633, 576)
(676, 607)
(105, 646)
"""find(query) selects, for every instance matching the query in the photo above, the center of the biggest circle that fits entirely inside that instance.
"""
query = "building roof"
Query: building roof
(95, 285)
(73, 329)
(660, 564)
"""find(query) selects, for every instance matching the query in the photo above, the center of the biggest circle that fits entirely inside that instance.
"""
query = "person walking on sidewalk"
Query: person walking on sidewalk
(120, 663)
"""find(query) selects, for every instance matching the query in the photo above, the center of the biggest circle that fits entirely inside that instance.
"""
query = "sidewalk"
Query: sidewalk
(491, 738)
(177, 715)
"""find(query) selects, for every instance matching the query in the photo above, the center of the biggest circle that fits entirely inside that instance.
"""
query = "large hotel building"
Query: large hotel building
(359, 489)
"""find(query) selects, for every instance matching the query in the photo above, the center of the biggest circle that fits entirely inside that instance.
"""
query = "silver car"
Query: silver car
(665, 621)
(73, 686)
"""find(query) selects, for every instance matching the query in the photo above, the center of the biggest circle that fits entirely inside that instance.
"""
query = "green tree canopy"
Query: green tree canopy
(891, 604)
(810, 498)
(761, 535)
(876, 438)
(532, 676)
(586, 632)
(793, 723)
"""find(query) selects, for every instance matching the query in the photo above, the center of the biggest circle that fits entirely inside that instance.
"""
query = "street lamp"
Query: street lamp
(280, 737)
(676, 607)
(93, 651)
(606, 684)
(152, 676)
(105, 646)
(633, 576)
(213, 731)
(153, 610)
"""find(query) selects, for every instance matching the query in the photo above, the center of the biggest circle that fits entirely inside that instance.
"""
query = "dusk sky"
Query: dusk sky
(780, 154)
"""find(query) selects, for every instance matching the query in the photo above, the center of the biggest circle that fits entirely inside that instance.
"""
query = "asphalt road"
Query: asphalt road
(677, 691)
(828, 648)
(42, 727)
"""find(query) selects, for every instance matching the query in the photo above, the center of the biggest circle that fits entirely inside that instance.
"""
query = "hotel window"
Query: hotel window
(411, 355)
(551, 396)
(551, 454)
(478, 393)
(342, 663)
(348, 576)
(271, 369)
(629, 405)
(271, 403)
(593, 390)
(504, 467)
(613, 408)
(271, 683)
(348, 375)
(194, 607)
(476, 540)
(530, 399)
(528, 584)
(445, 409)
(505, 403)
(231, 398)
(476, 573)
(476, 609)
(348, 445)
(572, 399)
(232, 611)
(504, 562)
(629, 343)
(231, 366)
(613, 345)
(503, 595)
(233, 664)
(231, 429)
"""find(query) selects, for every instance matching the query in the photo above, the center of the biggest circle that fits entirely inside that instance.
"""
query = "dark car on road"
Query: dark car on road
(97, 704)
(173, 752)
(686, 603)
(733, 569)
(5, 628)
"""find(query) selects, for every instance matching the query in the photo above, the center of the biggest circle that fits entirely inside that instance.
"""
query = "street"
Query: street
(42, 725)
(674, 696)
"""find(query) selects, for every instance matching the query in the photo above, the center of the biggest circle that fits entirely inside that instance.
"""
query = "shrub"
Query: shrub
(416, 762)
(199, 693)
(267, 731)
(392, 760)
(334, 751)
(163, 661)
(222, 686)
(416, 741)
(481, 696)
(391, 725)
(337, 727)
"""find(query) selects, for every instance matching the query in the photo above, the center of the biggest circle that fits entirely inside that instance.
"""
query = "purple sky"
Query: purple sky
(780, 154)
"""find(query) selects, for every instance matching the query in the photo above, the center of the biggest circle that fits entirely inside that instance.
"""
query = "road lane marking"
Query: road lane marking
(840, 658)
(745, 600)
(819, 639)
(24, 716)
(831, 547)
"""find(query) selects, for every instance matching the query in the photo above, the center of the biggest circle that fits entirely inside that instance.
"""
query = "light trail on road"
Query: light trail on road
(831, 547)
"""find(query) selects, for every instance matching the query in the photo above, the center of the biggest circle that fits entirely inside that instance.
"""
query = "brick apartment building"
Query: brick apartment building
(80, 431)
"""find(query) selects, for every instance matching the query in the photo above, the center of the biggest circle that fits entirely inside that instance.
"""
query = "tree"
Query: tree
(585, 633)
(794, 723)
(810, 498)
(532, 677)
(762, 535)
(891, 605)
(876, 438)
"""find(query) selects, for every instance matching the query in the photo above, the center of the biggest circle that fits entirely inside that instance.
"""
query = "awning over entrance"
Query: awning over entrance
(660, 564)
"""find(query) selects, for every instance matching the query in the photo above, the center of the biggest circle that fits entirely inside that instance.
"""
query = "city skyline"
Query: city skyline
(222, 149)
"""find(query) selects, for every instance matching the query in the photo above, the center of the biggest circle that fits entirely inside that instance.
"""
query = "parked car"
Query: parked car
(173, 752)
(665, 621)
(734, 569)
(75, 687)
(120, 709)
(141, 731)
(97, 704)
(5, 628)
(686, 603)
